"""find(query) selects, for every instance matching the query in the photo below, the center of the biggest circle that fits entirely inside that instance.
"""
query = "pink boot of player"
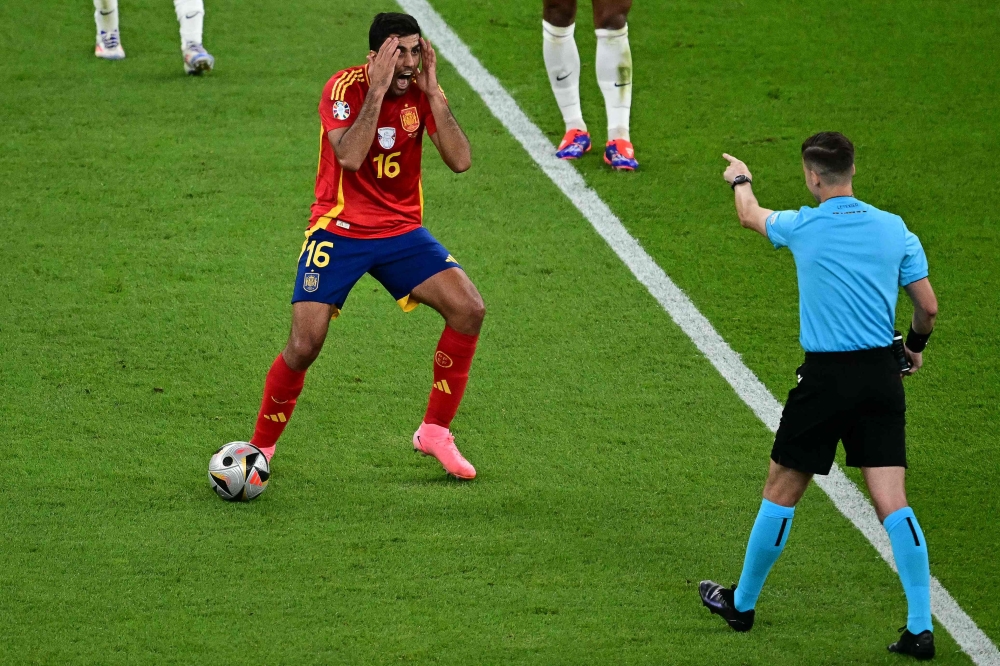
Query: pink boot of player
(433, 440)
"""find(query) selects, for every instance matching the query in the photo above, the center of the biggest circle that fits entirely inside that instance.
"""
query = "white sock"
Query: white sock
(562, 61)
(614, 76)
(191, 16)
(106, 15)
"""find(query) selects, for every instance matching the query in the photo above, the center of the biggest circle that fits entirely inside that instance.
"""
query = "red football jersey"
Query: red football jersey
(384, 197)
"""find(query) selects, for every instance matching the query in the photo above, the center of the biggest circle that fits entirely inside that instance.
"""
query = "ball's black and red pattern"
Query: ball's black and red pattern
(238, 471)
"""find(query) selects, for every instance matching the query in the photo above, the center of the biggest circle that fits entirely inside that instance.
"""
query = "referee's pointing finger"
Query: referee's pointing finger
(732, 160)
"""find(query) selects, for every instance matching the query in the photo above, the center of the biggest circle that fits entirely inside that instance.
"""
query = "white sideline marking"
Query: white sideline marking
(845, 495)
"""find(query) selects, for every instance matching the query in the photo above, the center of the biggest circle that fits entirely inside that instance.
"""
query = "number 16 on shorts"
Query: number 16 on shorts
(317, 258)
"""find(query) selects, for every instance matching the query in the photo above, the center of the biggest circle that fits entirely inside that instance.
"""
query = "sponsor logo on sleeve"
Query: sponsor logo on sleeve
(341, 110)
(387, 137)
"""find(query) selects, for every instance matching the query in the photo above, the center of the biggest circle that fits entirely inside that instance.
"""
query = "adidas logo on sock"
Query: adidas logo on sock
(442, 386)
(278, 418)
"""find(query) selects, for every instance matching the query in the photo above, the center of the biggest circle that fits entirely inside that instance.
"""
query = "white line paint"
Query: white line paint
(845, 495)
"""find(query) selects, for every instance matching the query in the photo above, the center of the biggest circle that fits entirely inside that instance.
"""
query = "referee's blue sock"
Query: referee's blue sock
(910, 551)
(767, 539)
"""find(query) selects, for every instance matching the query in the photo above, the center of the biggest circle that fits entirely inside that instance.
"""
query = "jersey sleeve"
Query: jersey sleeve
(914, 264)
(779, 225)
(341, 102)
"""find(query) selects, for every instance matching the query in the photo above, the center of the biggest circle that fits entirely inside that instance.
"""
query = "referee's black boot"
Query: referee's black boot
(720, 601)
(919, 645)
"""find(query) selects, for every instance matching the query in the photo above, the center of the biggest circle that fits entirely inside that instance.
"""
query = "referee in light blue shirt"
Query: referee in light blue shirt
(851, 259)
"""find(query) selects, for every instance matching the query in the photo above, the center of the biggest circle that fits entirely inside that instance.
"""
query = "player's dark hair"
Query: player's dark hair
(830, 154)
(390, 23)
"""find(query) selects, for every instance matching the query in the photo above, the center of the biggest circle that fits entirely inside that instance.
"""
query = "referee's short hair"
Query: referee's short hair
(830, 154)
(390, 23)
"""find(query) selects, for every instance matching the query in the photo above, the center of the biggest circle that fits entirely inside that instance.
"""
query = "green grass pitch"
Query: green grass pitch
(150, 224)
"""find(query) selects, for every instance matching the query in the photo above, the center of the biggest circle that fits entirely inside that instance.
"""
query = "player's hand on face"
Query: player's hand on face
(426, 77)
(916, 361)
(735, 168)
(382, 65)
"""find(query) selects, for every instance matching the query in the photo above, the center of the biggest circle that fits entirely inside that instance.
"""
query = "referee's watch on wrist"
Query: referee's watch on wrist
(740, 179)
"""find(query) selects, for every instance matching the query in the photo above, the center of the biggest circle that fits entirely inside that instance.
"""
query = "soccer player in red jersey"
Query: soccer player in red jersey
(367, 218)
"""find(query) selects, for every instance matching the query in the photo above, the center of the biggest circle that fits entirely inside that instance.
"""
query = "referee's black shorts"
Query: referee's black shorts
(856, 397)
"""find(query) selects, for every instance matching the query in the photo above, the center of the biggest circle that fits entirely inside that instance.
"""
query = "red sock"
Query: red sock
(281, 389)
(452, 361)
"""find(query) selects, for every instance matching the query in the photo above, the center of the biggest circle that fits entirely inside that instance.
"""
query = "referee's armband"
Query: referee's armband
(916, 342)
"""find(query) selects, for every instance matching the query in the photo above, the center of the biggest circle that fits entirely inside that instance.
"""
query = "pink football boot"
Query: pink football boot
(433, 440)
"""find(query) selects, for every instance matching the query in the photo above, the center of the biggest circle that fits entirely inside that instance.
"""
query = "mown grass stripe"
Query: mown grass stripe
(845, 495)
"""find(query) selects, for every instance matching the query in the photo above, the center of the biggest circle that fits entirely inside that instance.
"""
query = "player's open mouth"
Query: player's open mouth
(403, 80)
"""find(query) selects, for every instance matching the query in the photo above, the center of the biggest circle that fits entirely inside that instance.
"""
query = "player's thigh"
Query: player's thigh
(877, 433)
(810, 426)
(450, 292)
(329, 267)
(415, 268)
(611, 14)
(561, 13)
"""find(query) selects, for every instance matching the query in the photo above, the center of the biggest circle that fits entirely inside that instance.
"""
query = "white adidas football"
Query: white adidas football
(238, 472)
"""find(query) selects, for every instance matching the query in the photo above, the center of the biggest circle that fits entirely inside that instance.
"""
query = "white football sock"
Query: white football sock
(106, 15)
(191, 16)
(614, 76)
(562, 61)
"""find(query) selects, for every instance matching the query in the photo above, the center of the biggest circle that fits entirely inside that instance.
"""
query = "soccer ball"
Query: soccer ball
(238, 472)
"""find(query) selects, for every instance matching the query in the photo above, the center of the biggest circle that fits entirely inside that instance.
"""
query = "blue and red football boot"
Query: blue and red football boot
(574, 144)
(620, 155)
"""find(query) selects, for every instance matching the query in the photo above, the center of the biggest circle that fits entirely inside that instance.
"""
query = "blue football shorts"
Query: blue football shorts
(330, 265)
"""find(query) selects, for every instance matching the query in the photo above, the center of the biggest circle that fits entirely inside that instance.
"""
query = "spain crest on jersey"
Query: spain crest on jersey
(310, 282)
(409, 119)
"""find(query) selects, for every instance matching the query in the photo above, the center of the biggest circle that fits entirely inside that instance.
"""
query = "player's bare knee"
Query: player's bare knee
(302, 350)
(561, 13)
(468, 317)
(611, 14)
(477, 313)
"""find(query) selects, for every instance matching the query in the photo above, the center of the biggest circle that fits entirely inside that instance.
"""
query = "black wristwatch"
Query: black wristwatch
(740, 179)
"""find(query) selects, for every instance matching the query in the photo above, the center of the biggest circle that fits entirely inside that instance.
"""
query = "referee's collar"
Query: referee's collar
(833, 201)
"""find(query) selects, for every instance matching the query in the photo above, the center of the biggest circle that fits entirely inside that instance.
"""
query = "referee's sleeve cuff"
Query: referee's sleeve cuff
(906, 281)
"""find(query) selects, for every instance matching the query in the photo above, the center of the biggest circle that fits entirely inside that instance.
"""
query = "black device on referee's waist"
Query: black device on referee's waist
(899, 352)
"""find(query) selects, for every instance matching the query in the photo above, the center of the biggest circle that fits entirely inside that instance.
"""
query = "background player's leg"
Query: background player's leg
(108, 41)
(614, 74)
(887, 486)
(310, 323)
(191, 17)
(562, 59)
(562, 62)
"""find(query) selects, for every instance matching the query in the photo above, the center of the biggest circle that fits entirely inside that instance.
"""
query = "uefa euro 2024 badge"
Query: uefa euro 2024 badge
(387, 137)
(341, 110)
(310, 282)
